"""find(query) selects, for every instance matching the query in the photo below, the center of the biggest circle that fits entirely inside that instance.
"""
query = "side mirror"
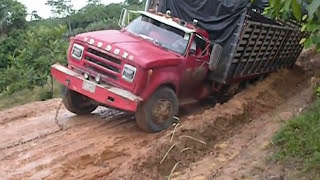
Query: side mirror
(215, 57)
(123, 17)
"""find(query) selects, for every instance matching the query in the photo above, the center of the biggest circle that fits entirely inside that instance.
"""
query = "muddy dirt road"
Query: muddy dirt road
(222, 142)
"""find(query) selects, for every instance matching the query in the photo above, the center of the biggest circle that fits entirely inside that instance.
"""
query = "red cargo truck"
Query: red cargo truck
(158, 59)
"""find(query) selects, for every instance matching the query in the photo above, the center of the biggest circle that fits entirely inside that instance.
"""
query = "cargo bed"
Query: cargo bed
(263, 46)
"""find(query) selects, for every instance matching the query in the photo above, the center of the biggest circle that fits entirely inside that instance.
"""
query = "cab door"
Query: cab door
(196, 65)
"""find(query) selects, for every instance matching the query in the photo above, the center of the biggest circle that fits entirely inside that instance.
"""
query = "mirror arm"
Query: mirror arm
(205, 49)
(125, 16)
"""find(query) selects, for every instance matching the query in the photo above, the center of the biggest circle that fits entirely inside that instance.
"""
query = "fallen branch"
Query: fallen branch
(272, 142)
(173, 169)
(174, 131)
(170, 133)
(176, 118)
(164, 157)
(195, 139)
(186, 149)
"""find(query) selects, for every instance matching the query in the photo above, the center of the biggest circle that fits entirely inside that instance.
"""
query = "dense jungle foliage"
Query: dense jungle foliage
(29, 48)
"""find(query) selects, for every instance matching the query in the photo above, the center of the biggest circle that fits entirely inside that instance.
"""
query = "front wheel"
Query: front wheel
(77, 103)
(158, 112)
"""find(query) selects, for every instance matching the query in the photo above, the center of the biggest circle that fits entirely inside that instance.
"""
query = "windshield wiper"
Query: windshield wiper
(145, 37)
(154, 41)
(160, 44)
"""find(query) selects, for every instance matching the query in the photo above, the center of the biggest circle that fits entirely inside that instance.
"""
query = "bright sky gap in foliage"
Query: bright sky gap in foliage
(44, 10)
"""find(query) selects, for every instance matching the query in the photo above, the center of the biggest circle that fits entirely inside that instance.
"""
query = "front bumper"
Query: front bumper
(105, 94)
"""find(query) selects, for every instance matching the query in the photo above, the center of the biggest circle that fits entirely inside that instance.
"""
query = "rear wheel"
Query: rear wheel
(77, 103)
(158, 112)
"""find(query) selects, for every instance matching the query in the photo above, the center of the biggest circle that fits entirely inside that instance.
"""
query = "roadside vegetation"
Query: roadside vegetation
(297, 145)
(29, 95)
(29, 48)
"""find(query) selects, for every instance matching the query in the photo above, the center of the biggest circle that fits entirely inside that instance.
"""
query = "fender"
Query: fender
(159, 77)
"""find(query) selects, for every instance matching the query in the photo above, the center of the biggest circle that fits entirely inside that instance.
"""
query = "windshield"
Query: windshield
(167, 37)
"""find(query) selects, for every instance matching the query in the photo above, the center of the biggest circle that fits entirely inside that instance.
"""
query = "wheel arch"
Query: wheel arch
(170, 80)
(169, 85)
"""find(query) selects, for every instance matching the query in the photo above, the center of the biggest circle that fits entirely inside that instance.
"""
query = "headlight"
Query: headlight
(77, 51)
(129, 72)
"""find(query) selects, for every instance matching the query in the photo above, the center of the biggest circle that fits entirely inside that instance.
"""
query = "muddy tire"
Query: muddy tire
(158, 112)
(77, 103)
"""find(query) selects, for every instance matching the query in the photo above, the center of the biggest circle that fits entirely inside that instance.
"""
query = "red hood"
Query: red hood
(145, 53)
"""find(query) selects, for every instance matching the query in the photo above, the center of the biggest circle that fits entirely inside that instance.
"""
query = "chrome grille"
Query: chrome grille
(102, 72)
(105, 56)
(108, 66)
(103, 63)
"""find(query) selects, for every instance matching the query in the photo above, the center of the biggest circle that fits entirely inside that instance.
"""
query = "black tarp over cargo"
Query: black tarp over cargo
(218, 17)
(252, 44)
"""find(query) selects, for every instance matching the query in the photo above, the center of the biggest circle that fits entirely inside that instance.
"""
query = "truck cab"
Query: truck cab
(145, 68)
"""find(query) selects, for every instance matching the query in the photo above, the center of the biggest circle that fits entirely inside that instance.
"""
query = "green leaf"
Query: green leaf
(312, 27)
(302, 40)
(303, 28)
(296, 9)
(287, 5)
(308, 43)
(277, 7)
(312, 8)
(304, 17)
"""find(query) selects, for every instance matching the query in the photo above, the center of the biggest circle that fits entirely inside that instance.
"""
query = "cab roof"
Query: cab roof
(167, 21)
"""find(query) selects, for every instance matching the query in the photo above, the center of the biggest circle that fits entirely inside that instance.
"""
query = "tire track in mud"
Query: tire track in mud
(107, 115)
(54, 131)
(25, 111)
(21, 148)
(98, 146)
(90, 140)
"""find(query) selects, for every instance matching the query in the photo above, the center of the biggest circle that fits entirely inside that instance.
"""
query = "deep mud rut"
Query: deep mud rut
(227, 141)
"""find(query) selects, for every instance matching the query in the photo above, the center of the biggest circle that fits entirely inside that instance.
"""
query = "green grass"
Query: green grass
(298, 143)
(26, 96)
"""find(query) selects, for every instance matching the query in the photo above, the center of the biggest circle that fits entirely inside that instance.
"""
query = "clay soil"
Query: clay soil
(221, 141)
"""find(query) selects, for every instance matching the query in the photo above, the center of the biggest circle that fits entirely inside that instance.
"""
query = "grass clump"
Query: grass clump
(298, 143)
(29, 95)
